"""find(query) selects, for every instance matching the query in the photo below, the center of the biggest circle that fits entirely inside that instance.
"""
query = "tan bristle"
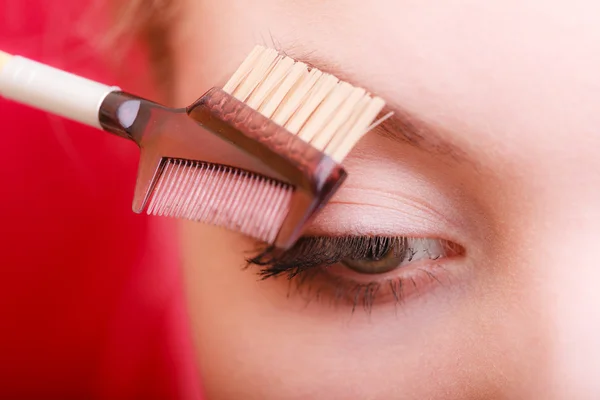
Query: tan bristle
(330, 114)
(220, 195)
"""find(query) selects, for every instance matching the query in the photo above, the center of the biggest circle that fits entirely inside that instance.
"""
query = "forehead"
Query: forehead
(513, 70)
(512, 81)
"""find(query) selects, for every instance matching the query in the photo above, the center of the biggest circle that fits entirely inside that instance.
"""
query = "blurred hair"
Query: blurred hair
(148, 23)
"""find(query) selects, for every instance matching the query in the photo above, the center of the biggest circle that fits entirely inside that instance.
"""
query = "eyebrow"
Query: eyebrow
(402, 126)
(406, 128)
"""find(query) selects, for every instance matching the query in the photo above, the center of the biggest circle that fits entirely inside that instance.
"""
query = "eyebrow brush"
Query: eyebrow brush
(292, 123)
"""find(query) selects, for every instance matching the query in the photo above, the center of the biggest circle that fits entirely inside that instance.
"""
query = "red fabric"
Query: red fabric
(90, 299)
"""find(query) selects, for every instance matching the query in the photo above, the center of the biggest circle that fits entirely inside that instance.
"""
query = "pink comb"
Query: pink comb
(220, 195)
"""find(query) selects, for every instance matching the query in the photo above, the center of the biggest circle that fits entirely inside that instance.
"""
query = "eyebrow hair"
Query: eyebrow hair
(402, 126)
(407, 128)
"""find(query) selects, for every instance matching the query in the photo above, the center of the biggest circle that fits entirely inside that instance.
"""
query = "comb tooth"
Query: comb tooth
(275, 198)
(180, 188)
(283, 192)
(237, 200)
(168, 183)
(259, 205)
(244, 211)
(250, 192)
(208, 203)
(226, 206)
(180, 199)
(168, 187)
(221, 192)
(195, 171)
(168, 203)
(194, 187)
(266, 202)
(224, 217)
(172, 199)
(208, 197)
(281, 212)
(204, 176)
(158, 189)
(249, 210)
(245, 187)
(222, 188)
(234, 199)
(210, 177)
(223, 196)
(218, 195)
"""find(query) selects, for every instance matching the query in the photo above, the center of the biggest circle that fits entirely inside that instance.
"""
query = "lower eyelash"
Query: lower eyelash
(317, 284)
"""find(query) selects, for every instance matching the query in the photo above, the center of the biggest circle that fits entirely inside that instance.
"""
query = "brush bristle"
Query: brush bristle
(330, 114)
(220, 195)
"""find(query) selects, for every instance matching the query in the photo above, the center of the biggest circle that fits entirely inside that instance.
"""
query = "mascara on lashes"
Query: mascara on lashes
(323, 251)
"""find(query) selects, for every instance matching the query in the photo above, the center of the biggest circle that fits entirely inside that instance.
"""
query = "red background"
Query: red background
(90, 297)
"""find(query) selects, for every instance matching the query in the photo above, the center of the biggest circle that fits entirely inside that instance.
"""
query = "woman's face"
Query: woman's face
(495, 148)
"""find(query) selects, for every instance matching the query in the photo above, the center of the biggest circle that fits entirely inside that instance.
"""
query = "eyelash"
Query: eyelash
(308, 264)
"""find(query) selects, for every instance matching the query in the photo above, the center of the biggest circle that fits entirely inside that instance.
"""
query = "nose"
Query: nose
(568, 263)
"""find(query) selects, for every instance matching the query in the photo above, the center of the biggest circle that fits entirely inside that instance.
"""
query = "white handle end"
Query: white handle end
(53, 90)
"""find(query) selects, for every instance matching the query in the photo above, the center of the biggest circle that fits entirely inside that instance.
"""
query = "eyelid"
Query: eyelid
(392, 217)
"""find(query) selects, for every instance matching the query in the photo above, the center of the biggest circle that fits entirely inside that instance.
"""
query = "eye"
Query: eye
(362, 270)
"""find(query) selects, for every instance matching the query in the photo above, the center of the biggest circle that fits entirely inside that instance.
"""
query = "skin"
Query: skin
(514, 86)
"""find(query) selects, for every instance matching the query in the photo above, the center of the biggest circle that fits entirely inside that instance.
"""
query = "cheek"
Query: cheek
(253, 341)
